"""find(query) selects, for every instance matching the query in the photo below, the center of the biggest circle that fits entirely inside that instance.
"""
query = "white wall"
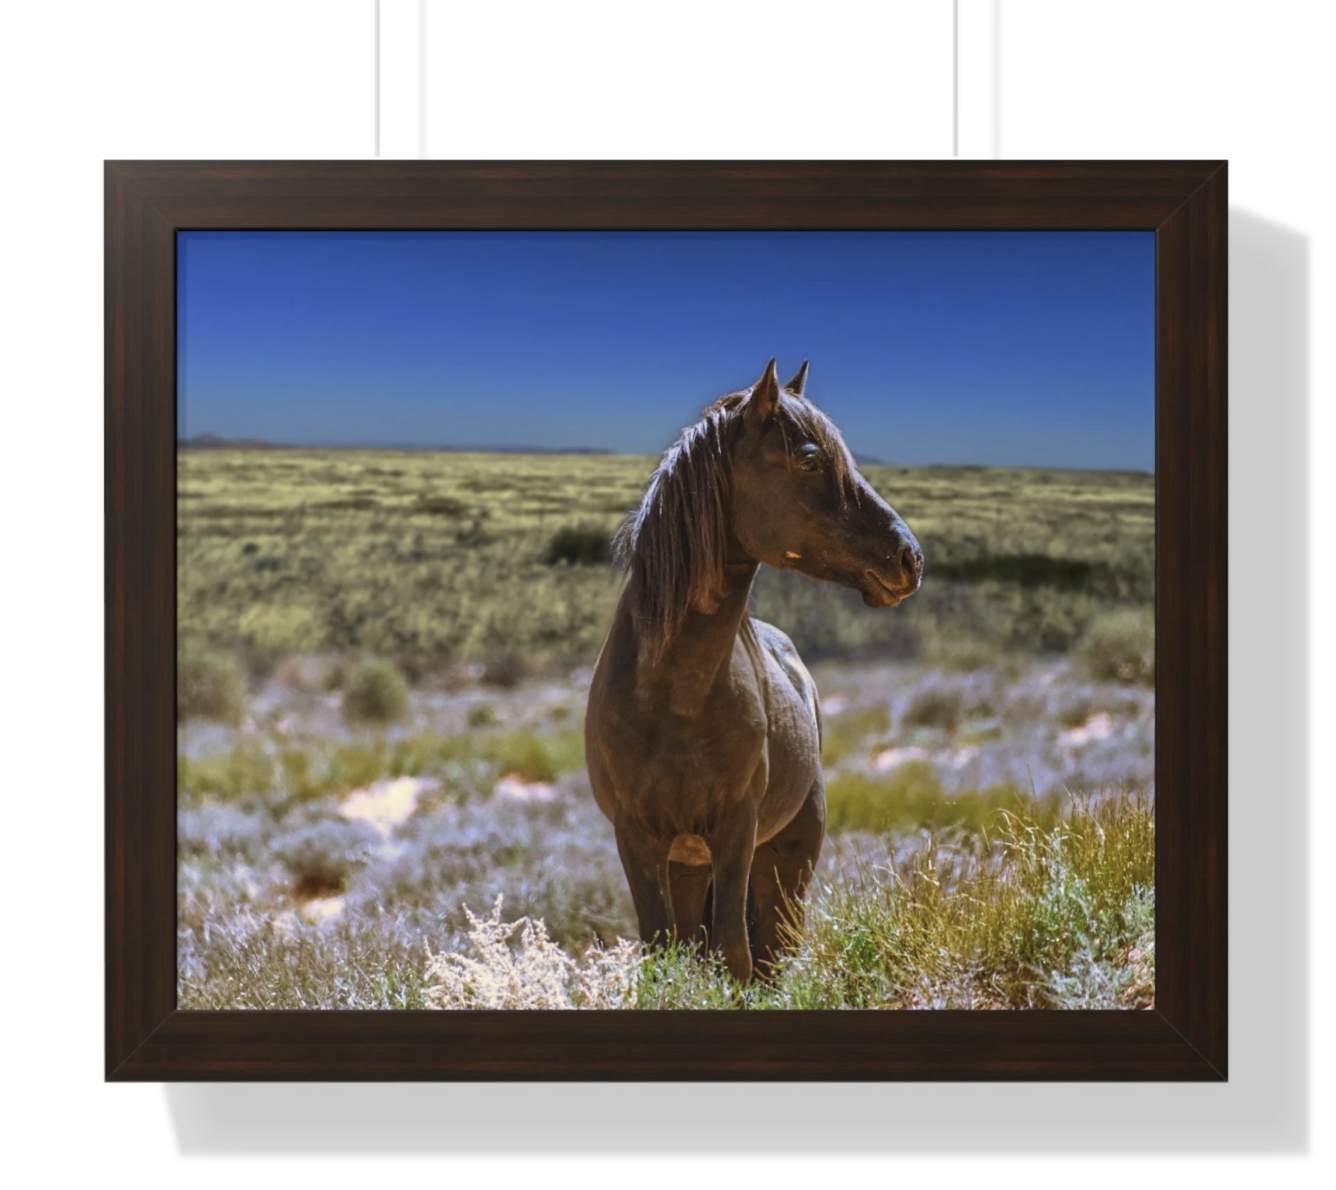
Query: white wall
(297, 79)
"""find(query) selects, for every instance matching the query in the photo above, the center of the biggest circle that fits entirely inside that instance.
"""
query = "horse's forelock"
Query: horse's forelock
(800, 418)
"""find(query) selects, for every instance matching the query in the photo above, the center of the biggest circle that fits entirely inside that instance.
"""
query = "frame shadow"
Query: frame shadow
(1263, 1108)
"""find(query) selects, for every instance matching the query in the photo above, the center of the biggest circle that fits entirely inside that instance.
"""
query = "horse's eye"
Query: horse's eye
(808, 457)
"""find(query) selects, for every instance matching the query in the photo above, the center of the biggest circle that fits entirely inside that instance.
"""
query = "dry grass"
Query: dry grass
(1042, 916)
(419, 556)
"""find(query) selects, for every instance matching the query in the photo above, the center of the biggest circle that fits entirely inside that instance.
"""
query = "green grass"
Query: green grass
(910, 798)
(852, 731)
(1042, 913)
(319, 768)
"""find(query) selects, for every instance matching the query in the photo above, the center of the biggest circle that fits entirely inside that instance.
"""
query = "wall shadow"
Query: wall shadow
(1264, 1106)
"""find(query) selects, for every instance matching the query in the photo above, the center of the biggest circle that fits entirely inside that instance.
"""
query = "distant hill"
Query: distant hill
(217, 442)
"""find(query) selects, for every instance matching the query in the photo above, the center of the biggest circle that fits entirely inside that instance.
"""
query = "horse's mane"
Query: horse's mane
(673, 544)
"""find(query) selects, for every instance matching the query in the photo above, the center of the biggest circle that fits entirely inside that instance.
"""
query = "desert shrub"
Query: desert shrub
(209, 686)
(1075, 709)
(221, 830)
(334, 675)
(445, 506)
(481, 715)
(1027, 703)
(1026, 570)
(530, 971)
(1119, 646)
(375, 693)
(580, 545)
(246, 770)
(322, 858)
(297, 674)
(504, 672)
(935, 705)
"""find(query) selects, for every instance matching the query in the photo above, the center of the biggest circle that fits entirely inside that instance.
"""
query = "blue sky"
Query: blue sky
(937, 347)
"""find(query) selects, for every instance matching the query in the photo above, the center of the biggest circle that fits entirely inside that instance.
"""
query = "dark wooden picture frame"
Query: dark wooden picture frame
(1184, 1037)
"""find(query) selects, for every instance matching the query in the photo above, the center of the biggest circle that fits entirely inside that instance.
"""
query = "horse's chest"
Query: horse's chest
(661, 760)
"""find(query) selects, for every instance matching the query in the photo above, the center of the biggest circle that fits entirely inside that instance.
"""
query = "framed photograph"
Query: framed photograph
(669, 620)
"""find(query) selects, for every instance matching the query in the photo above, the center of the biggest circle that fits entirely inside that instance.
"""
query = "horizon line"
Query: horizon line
(208, 441)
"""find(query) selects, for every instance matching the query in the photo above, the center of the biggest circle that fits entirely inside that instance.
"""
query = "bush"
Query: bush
(1120, 647)
(334, 676)
(375, 693)
(481, 715)
(580, 545)
(531, 972)
(323, 858)
(504, 672)
(935, 706)
(209, 686)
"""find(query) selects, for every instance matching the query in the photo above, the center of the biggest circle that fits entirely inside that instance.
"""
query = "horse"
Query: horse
(703, 727)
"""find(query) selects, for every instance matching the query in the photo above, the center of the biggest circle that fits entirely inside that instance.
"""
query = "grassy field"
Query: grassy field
(436, 559)
(384, 663)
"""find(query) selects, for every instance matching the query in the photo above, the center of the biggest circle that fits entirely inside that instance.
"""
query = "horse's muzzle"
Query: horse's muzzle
(886, 590)
(879, 592)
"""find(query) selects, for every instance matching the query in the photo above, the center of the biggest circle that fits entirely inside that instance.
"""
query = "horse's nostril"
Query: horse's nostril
(909, 561)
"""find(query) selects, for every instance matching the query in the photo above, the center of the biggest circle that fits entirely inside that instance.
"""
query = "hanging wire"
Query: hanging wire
(377, 78)
(955, 78)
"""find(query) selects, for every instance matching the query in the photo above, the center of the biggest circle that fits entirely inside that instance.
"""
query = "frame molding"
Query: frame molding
(1184, 1037)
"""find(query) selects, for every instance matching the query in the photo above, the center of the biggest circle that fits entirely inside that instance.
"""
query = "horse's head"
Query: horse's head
(799, 503)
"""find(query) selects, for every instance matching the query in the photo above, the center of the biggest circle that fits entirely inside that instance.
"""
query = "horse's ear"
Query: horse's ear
(797, 383)
(764, 397)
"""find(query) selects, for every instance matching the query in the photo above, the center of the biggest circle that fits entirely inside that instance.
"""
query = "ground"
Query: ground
(988, 756)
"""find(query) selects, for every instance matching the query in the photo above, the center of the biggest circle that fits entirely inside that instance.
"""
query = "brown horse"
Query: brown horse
(703, 732)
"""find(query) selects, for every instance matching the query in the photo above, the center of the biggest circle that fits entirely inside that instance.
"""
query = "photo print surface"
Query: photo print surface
(665, 620)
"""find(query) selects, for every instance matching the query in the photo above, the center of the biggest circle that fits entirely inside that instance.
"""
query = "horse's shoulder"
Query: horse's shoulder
(774, 641)
(782, 649)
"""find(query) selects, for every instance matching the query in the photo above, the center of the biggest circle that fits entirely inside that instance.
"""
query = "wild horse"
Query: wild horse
(703, 731)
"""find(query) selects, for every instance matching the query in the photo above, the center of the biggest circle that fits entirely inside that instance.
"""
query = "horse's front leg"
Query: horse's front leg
(781, 871)
(645, 861)
(732, 843)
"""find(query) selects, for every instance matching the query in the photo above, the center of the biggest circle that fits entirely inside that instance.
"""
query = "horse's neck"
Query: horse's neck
(687, 669)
